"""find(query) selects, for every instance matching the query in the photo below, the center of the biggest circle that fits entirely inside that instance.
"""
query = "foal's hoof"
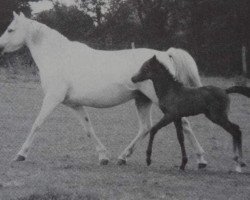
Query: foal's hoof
(148, 161)
(182, 168)
(202, 165)
(19, 158)
(243, 164)
(121, 162)
(104, 161)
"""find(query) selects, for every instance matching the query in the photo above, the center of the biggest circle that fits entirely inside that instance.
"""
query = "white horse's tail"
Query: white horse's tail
(185, 67)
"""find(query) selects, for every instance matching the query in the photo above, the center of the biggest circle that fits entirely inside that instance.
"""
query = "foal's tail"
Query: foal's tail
(185, 66)
(240, 90)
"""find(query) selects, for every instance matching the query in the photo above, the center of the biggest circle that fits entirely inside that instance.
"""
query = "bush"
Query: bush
(70, 21)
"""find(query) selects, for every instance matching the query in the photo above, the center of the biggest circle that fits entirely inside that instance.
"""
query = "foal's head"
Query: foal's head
(149, 70)
(154, 70)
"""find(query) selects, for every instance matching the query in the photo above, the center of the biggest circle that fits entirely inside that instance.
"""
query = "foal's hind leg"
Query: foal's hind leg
(234, 130)
(180, 136)
(143, 105)
(202, 163)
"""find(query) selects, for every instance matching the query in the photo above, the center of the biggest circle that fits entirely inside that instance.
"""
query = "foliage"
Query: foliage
(94, 6)
(69, 21)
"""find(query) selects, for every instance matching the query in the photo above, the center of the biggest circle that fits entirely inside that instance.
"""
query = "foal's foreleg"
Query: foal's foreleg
(180, 136)
(202, 163)
(167, 119)
(50, 101)
(85, 121)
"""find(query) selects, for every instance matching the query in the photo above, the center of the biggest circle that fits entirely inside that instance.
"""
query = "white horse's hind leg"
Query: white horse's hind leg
(202, 163)
(143, 105)
(49, 103)
(85, 121)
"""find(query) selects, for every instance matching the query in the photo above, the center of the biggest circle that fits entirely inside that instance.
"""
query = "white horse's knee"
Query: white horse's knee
(144, 128)
(186, 126)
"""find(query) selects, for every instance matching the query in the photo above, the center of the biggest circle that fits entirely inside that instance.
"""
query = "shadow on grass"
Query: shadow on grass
(53, 195)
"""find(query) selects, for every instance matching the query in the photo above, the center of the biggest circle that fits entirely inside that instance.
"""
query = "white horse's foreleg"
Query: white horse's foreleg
(202, 163)
(143, 105)
(85, 121)
(49, 103)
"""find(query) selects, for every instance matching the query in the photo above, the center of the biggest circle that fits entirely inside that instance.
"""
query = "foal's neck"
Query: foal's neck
(165, 83)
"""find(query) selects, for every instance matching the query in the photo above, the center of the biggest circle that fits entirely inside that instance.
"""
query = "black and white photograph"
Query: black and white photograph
(124, 99)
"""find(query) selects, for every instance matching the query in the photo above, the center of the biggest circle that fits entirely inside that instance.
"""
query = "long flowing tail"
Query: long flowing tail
(240, 90)
(185, 66)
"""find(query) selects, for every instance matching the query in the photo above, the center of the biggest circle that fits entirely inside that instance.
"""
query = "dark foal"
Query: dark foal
(177, 101)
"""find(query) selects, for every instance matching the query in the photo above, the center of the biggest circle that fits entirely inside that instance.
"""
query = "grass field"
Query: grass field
(63, 163)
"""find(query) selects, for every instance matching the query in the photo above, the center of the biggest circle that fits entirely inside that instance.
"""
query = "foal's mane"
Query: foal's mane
(168, 76)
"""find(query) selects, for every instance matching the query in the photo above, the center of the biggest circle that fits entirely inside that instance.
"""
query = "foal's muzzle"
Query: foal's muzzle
(138, 78)
(135, 79)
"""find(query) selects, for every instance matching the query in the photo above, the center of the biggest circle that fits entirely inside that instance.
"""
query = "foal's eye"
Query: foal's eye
(10, 30)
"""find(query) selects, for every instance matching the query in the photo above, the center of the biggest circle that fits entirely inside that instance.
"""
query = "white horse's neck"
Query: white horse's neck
(52, 52)
(39, 34)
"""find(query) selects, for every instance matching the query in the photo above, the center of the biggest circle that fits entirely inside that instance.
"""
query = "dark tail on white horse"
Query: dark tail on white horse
(240, 90)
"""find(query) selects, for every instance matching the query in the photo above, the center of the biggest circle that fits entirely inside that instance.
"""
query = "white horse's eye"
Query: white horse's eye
(10, 30)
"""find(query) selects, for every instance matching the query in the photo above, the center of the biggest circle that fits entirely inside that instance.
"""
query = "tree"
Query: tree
(95, 7)
(153, 18)
(70, 21)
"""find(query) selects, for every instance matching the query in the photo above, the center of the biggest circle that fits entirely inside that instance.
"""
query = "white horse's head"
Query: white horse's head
(14, 36)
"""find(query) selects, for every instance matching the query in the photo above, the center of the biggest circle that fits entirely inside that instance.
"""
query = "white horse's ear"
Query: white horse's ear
(15, 15)
(22, 15)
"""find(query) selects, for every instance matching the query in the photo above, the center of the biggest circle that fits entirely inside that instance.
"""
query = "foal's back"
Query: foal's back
(186, 101)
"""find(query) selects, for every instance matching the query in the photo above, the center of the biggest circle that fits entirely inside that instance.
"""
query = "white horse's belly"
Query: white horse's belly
(99, 97)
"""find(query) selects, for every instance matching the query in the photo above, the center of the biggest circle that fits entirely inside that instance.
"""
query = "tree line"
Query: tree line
(215, 32)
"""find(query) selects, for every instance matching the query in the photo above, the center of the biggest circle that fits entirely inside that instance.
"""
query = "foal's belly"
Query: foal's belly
(99, 97)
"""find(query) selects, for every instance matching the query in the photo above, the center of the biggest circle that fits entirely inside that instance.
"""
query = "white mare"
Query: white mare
(77, 75)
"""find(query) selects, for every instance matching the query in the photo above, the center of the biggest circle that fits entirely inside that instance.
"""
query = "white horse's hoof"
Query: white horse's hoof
(202, 165)
(238, 169)
(121, 162)
(104, 161)
(19, 158)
